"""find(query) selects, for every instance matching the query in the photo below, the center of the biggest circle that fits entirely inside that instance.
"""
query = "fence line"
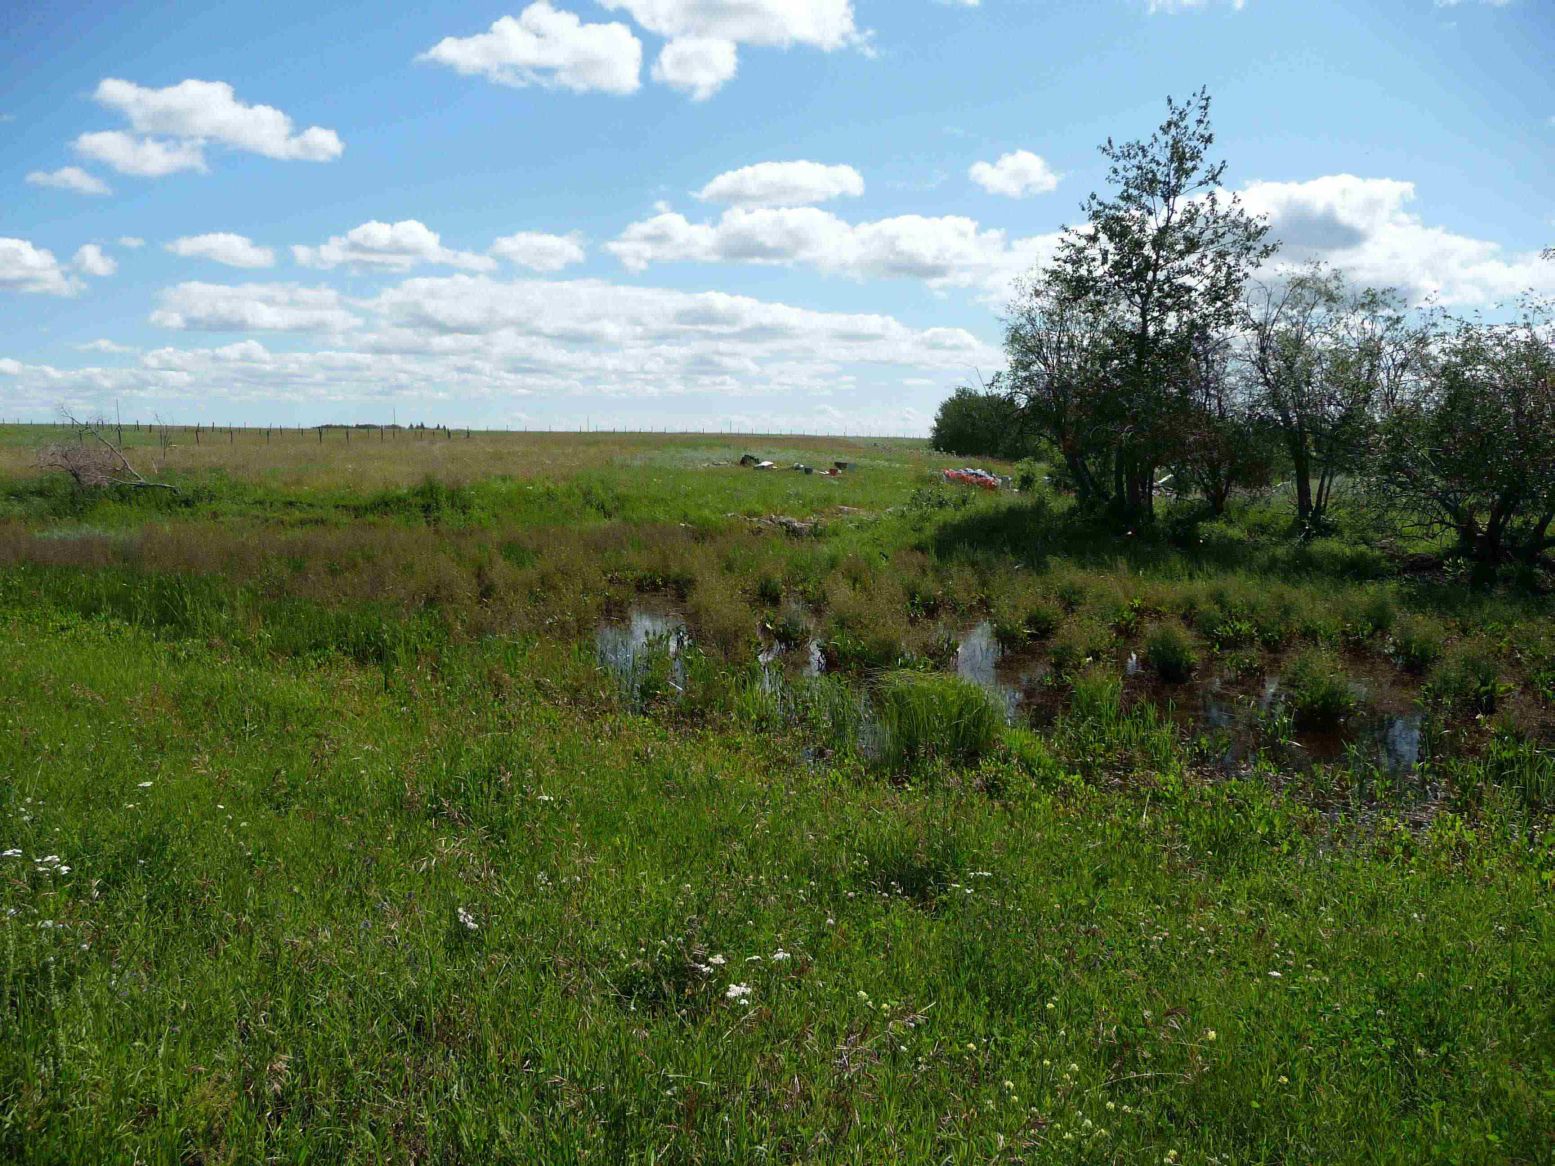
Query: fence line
(206, 433)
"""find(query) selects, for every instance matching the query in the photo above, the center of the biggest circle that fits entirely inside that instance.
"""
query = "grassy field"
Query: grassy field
(332, 833)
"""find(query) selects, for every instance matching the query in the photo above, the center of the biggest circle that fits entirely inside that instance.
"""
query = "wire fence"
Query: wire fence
(203, 433)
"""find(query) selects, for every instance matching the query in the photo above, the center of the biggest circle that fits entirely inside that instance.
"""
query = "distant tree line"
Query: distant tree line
(1155, 350)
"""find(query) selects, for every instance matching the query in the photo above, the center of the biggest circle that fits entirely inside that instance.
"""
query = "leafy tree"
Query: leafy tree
(981, 423)
(1159, 264)
(1058, 377)
(1225, 445)
(1474, 451)
(1326, 358)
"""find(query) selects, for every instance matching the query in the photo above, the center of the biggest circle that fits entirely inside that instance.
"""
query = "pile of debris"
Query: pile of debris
(982, 479)
(751, 461)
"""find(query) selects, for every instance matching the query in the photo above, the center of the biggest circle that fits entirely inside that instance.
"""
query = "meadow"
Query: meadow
(592, 798)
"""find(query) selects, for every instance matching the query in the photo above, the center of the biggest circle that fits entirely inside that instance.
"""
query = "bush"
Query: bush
(1467, 679)
(1321, 696)
(1170, 653)
(1369, 616)
(1078, 642)
(973, 423)
(1417, 643)
(923, 715)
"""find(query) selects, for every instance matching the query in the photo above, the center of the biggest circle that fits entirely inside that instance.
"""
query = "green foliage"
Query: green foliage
(980, 423)
(1170, 653)
(1320, 692)
(411, 871)
(1468, 678)
(1418, 643)
(925, 716)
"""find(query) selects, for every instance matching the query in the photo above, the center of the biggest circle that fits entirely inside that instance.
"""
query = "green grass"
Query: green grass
(370, 861)
(928, 717)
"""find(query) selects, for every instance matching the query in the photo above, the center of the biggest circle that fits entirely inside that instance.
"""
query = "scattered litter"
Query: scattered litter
(971, 477)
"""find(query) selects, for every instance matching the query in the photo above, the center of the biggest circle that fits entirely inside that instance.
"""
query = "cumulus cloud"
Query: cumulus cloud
(948, 251)
(200, 112)
(253, 307)
(91, 259)
(1365, 227)
(133, 242)
(697, 65)
(1172, 7)
(468, 337)
(1017, 175)
(704, 35)
(389, 247)
(223, 247)
(540, 252)
(549, 47)
(70, 178)
(25, 268)
(783, 184)
(821, 24)
(141, 157)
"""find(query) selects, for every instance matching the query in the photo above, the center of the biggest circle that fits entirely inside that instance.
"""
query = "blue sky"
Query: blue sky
(798, 214)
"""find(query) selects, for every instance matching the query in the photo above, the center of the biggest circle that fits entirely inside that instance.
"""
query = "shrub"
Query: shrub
(923, 715)
(1417, 643)
(1170, 653)
(1040, 619)
(1468, 678)
(1321, 695)
(1368, 616)
(1077, 643)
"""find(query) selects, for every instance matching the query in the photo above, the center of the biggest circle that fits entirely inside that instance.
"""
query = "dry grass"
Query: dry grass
(373, 459)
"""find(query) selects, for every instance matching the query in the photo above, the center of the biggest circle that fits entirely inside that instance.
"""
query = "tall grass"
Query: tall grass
(923, 716)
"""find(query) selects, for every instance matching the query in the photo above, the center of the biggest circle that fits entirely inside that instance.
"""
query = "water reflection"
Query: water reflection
(629, 648)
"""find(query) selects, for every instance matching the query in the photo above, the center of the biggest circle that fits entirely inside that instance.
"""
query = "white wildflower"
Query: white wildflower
(468, 920)
(737, 991)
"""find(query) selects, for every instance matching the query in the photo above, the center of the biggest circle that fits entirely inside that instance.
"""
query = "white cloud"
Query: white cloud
(104, 346)
(26, 268)
(208, 111)
(142, 157)
(1172, 7)
(550, 47)
(70, 178)
(822, 24)
(223, 247)
(949, 251)
(133, 242)
(91, 259)
(1363, 226)
(540, 252)
(253, 307)
(697, 65)
(460, 339)
(1017, 175)
(389, 247)
(780, 184)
